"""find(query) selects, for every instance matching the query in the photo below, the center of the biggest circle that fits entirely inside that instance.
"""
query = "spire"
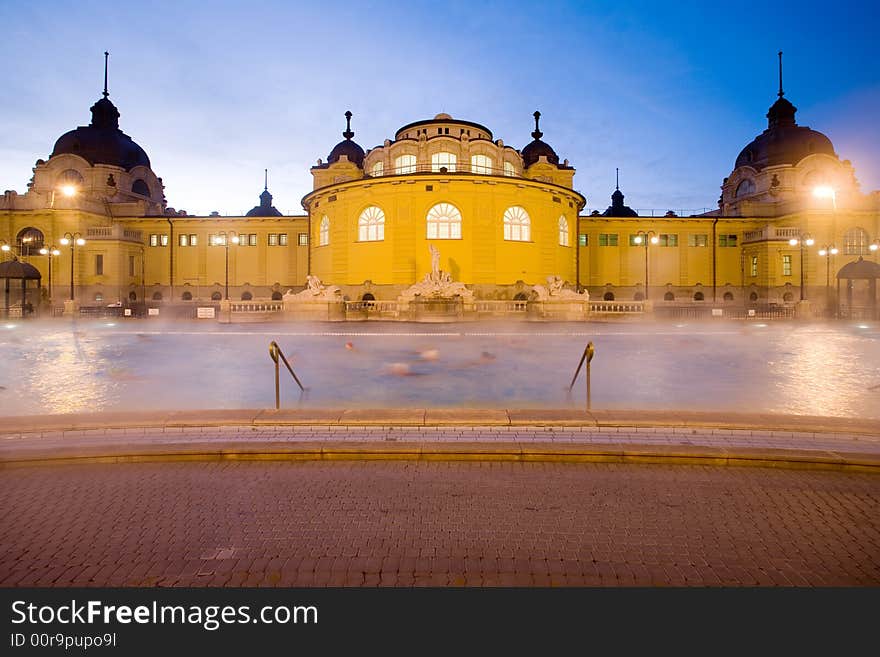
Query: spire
(348, 134)
(106, 58)
(617, 178)
(266, 182)
(781, 92)
(537, 134)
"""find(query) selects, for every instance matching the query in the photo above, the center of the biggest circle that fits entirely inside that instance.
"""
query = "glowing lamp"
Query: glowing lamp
(68, 190)
(64, 241)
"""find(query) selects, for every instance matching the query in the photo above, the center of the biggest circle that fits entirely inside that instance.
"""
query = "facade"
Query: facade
(95, 222)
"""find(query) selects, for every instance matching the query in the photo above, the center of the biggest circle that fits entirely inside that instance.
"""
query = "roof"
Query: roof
(18, 270)
(861, 268)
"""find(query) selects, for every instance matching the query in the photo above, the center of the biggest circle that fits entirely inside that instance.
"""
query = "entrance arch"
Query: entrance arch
(860, 281)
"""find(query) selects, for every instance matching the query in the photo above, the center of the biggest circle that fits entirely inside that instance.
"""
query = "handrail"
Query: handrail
(587, 356)
(274, 353)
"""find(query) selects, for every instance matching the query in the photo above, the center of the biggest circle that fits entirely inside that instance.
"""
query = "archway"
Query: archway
(860, 279)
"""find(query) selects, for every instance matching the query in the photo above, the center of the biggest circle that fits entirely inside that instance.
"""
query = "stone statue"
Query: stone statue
(315, 291)
(555, 291)
(435, 261)
(437, 284)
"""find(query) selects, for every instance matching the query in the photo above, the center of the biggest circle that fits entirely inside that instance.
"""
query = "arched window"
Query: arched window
(520, 296)
(70, 177)
(216, 296)
(563, 232)
(638, 296)
(324, 231)
(517, 225)
(368, 296)
(608, 296)
(405, 164)
(377, 169)
(246, 296)
(753, 297)
(443, 160)
(745, 188)
(855, 242)
(277, 296)
(788, 297)
(157, 296)
(699, 296)
(728, 296)
(187, 296)
(132, 296)
(669, 296)
(481, 164)
(140, 187)
(509, 169)
(444, 222)
(99, 296)
(30, 241)
(371, 225)
(812, 179)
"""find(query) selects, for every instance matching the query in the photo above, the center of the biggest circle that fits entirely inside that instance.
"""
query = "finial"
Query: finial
(348, 134)
(617, 178)
(537, 134)
(106, 57)
(266, 184)
(781, 92)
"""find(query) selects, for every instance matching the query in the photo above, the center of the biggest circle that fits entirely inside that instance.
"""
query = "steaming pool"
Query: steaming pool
(141, 364)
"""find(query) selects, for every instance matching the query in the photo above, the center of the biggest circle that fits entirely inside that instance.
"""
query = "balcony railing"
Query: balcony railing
(770, 234)
(457, 168)
(116, 232)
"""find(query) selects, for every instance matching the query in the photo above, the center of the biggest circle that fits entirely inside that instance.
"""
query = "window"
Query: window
(140, 187)
(215, 240)
(273, 239)
(282, 239)
(699, 296)
(277, 296)
(377, 169)
(371, 225)
(786, 265)
(99, 296)
(183, 240)
(855, 242)
(509, 169)
(216, 296)
(563, 232)
(131, 265)
(608, 239)
(30, 240)
(163, 240)
(788, 297)
(727, 240)
(70, 177)
(668, 240)
(517, 225)
(481, 164)
(252, 239)
(302, 239)
(157, 296)
(154, 240)
(753, 297)
(608, 296)
(669, 296)
(728, 296)
(405, 164)
(754, 265)
(745, 188)
(444, 222)
(193, 240)
(583, 239)
(186, 296)
(443, 160)
(324, 231)
(700, 239)
(636, 240)
(246, 296)
(99, 264)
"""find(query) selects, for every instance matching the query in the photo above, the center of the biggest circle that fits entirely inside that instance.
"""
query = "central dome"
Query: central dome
(347, 147)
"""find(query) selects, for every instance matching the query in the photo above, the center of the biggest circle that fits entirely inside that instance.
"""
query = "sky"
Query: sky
(217, 91)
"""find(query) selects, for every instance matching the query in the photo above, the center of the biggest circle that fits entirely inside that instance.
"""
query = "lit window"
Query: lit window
(371, 225)
(583, 239)
(131, 265)
(636, 240)
(667, 240)
(163, 240)
(182, 240)
(252, 239)
(509, 169)
(405, 164)
(99, 264)
(154, 240)
(563, 231)
(70, 177)
(786, 265)
(517, 225)
(481, 164)
(273, 239)
(193, 240)
(443, 160)
(607, 239)
(282, 239)
(377, 169)
(303, 239)
(444, 222)
(700, 239)
(727, 240)
(745, 188)
(324, 232)
(855, 242)
(754, 265)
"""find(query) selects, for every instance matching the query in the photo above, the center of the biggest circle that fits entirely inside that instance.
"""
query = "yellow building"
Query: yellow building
(95, 221)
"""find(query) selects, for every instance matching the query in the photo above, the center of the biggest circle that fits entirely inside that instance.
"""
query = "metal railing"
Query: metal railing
(587, 356)
(274, 353)
(452, 168)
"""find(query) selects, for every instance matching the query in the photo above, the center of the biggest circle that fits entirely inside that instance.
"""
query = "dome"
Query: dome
(617, 208)
(347, 147)
(784, 141)
(537, 148)
(102, 142)
(265, 208)
(860, 269)
(18, 270)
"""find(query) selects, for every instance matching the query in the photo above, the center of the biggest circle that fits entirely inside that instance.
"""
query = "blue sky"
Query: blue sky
(217, 91)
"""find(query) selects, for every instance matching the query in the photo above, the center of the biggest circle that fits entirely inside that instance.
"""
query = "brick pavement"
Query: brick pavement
(357, 523)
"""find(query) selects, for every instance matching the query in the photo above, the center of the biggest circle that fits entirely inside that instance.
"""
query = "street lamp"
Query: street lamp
(4, 247)
(803, 240)
(828, 251)
(643, 238)
(826, 191)
(50, 253)
(74, 240)
(221, 239)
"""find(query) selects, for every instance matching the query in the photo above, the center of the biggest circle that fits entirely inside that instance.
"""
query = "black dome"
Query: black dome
(537, 148)
(350, 149)
(102, 142)
(784, 141)
(617, 208)
(265, 208)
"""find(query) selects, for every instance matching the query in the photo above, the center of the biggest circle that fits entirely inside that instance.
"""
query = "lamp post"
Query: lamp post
(223, 239)
(4, 248)
(874, 247)
(828, 251)
(50, 253)
(643, 238)
(803, 239)
(74, 240)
